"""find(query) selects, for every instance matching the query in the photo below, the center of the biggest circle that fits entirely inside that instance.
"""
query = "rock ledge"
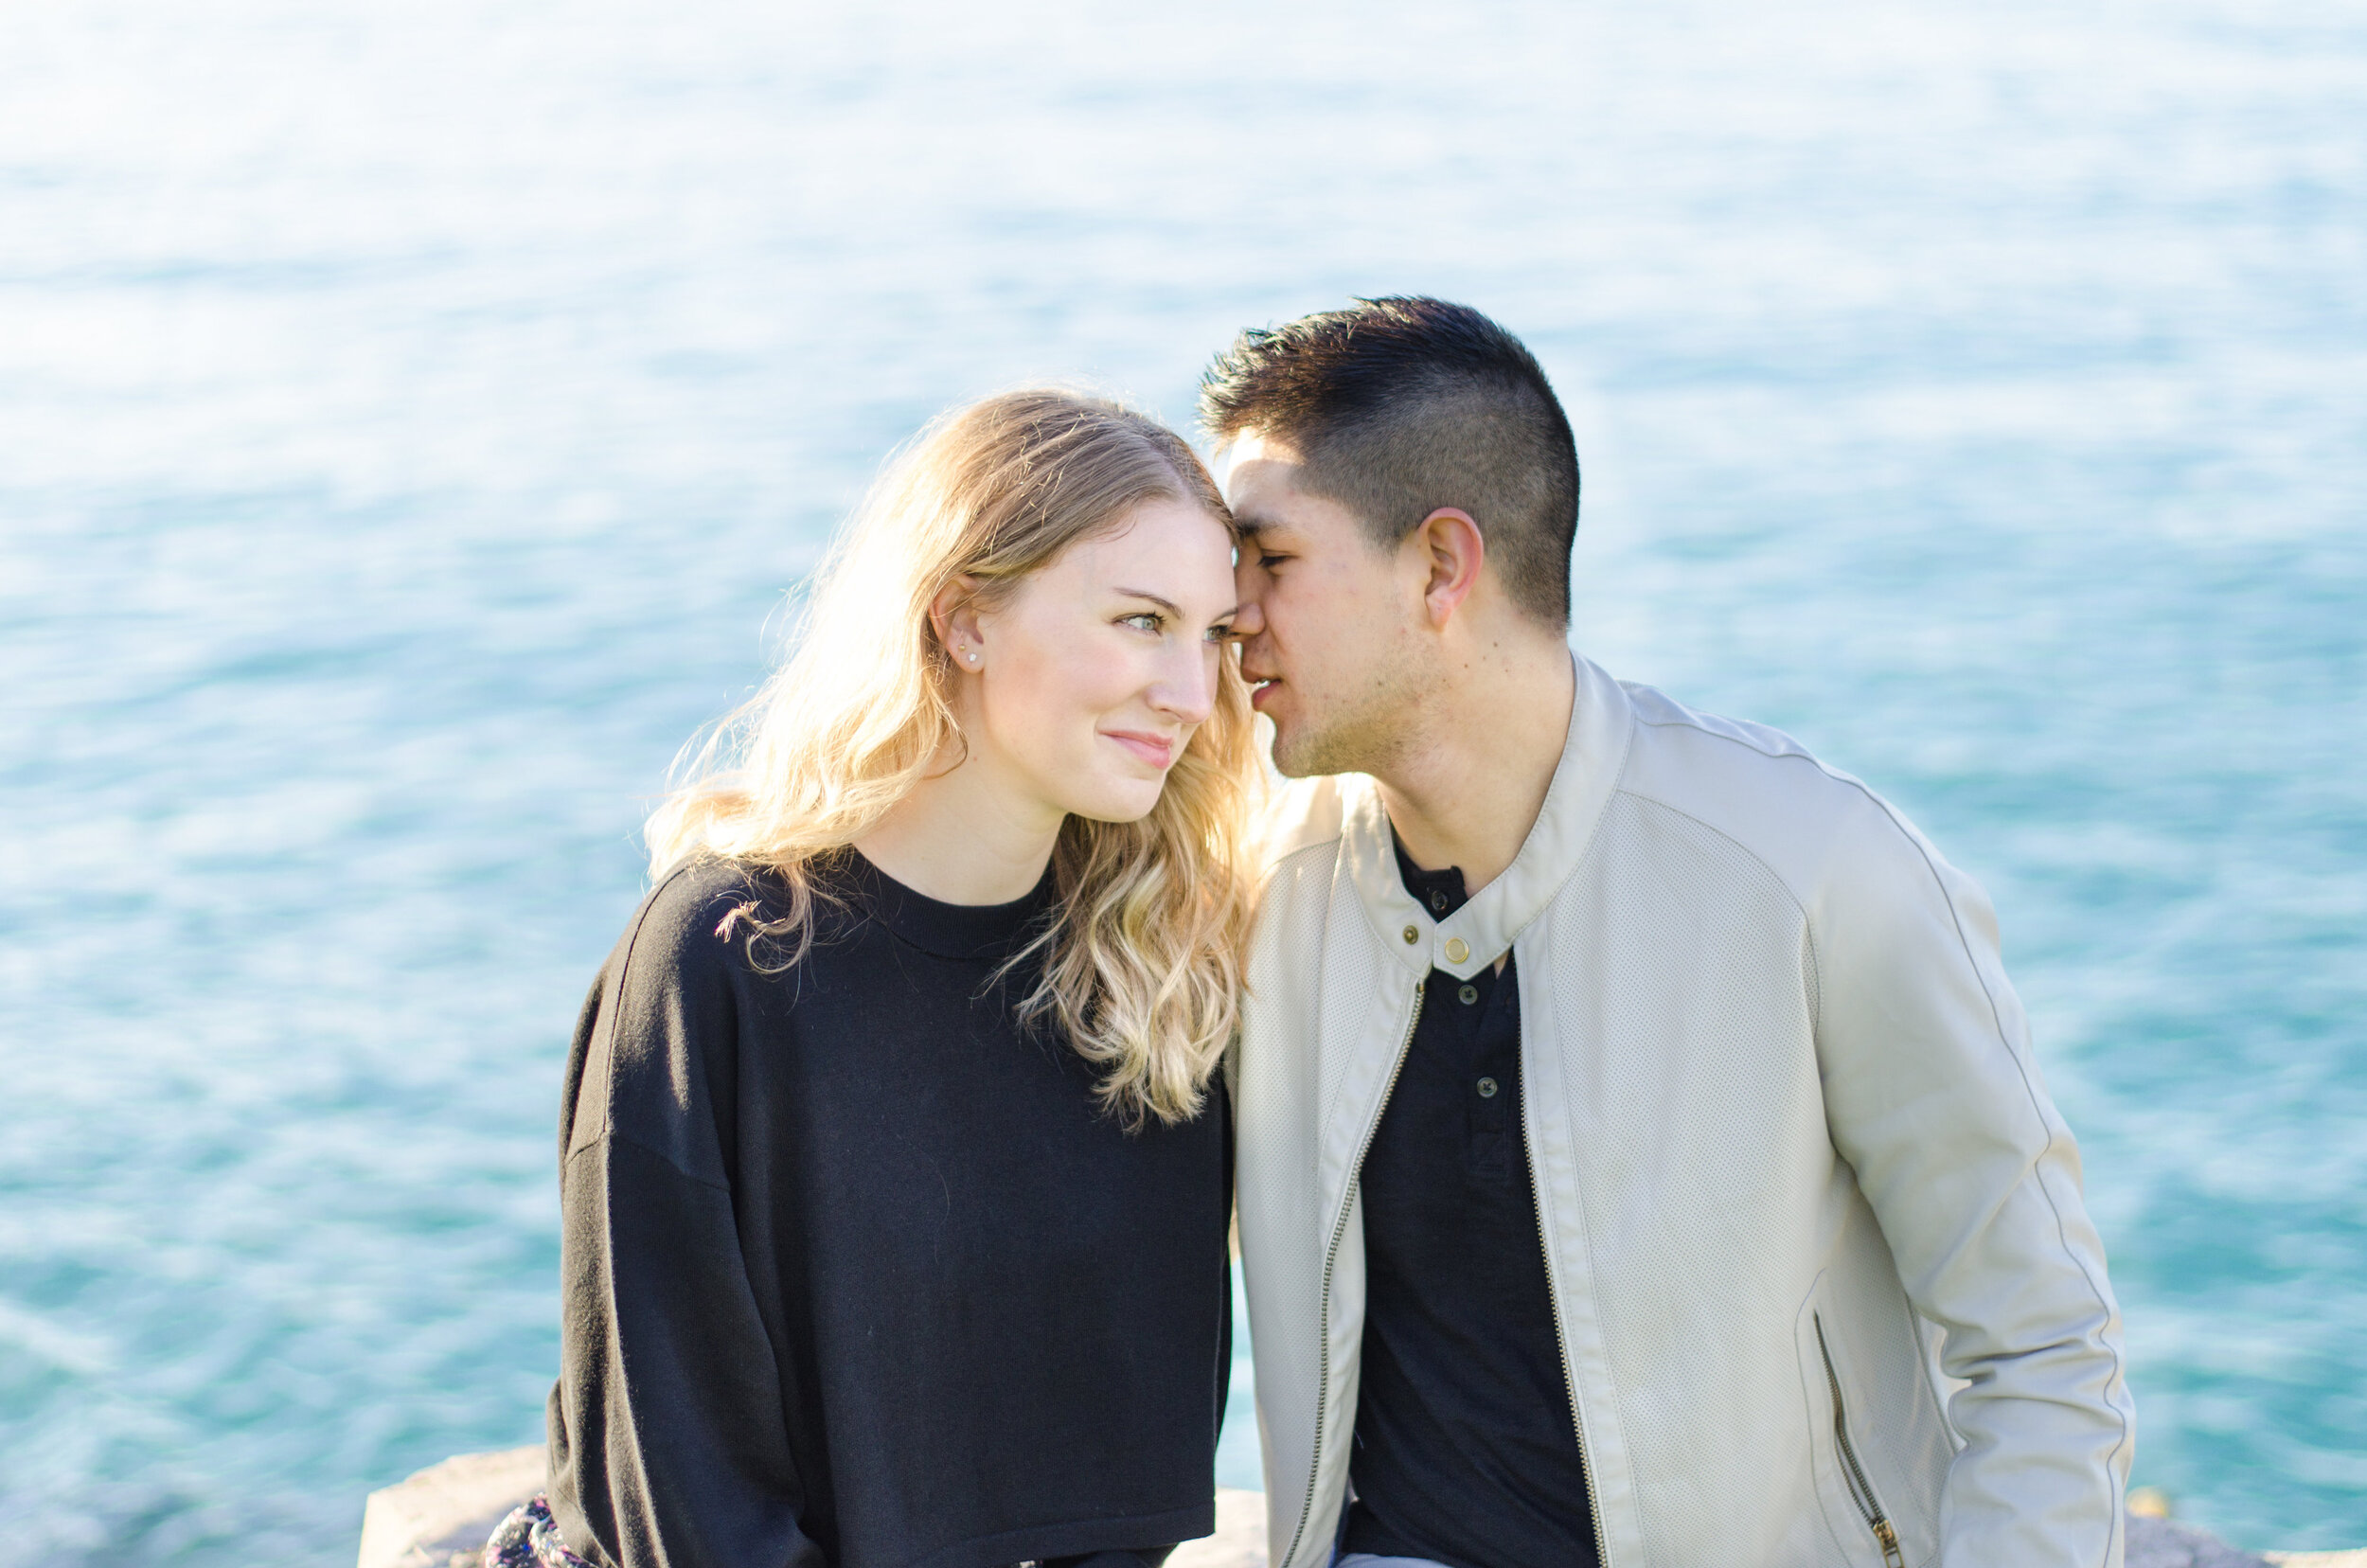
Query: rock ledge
(440, 1517)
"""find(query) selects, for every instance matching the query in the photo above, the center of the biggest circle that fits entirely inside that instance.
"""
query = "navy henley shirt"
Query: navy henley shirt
(1467, 1450)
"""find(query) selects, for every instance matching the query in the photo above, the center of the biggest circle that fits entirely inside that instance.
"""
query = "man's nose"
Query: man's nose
(1249, 620)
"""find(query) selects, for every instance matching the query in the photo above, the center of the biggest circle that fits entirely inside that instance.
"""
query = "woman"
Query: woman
(895, 1176)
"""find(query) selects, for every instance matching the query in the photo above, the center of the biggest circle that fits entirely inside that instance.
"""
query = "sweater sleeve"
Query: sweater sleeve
(669, 1442)
(1934, 1099)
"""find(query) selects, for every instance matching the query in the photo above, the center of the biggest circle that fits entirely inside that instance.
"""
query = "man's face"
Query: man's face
(1326, 620)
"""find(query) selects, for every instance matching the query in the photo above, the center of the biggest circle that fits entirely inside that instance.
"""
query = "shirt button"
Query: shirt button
(1458, 950)
(1488, 1088)
(1467, 995)
(1438, 903)
(1411, 935)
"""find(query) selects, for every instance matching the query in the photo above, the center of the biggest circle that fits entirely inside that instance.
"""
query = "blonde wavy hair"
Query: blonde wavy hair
(1142, 966)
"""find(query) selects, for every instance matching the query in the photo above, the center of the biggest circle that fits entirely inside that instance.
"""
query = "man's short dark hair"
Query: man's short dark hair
(1402, 405)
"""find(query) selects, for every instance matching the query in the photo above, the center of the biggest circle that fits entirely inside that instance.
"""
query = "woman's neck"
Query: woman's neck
(966, 836)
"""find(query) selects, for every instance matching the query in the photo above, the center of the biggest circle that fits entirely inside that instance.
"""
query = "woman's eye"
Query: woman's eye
(1147, 620)
(1220, 633)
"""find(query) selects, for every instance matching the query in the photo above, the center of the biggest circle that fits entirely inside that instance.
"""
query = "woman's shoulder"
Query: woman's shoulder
(675, 974)
(700, 918)
(655, 1049)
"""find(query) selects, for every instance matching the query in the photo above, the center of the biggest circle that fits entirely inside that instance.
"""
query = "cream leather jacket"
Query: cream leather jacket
(1826, 1289)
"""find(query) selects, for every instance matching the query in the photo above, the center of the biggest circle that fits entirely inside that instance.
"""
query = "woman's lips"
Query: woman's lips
(1155, 750)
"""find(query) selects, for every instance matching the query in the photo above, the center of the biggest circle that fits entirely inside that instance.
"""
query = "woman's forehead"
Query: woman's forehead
(1174, 548)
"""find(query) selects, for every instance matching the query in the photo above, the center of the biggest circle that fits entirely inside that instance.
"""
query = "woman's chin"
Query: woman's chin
(1115, 800)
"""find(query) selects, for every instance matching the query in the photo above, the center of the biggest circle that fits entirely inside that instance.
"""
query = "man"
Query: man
(1642, 1158)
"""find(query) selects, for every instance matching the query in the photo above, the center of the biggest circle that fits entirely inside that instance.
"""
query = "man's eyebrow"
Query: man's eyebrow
(1172, 608)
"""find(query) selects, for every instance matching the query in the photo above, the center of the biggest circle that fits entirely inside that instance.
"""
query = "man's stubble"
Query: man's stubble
(1366, 732)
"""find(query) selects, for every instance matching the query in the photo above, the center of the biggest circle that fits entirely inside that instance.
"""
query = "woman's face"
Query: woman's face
(1081, 689)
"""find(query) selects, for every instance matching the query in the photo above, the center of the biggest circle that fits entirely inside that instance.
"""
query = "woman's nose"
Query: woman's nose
(1186, 689)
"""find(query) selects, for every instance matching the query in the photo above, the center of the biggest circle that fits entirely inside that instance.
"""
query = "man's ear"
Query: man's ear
(953, 616)
(1453, 551)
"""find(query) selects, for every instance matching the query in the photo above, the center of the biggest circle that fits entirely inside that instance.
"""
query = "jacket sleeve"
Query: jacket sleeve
(1933, 1098)
(670, 1441)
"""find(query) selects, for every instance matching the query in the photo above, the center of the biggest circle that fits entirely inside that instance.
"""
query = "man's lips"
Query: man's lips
(1156, 749)
(1261, 687)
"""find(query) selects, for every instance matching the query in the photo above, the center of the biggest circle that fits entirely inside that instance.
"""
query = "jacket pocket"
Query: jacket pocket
(1863, 1501)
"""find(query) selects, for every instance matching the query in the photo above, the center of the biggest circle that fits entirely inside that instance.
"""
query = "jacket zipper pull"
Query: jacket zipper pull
(1891, 1556)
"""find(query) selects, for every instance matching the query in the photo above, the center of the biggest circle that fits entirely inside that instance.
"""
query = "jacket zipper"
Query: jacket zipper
(1332, 1256)
(1569, 1379)
(1860, 1489)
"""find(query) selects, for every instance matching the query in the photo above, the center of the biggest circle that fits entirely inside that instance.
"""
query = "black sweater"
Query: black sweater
(854, 1270)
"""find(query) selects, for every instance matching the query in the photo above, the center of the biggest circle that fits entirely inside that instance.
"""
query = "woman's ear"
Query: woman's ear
(953, 616)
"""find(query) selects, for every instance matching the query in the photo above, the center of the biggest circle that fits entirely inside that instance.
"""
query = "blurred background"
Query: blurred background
(413, 416)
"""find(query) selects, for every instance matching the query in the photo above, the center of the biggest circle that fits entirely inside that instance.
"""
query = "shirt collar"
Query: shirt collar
(1442, 891)
(975, 932)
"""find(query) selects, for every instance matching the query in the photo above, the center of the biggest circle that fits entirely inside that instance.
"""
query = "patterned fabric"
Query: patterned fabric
(530, 1539)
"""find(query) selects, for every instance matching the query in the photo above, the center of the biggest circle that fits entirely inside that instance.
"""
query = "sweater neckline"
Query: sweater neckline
(975, 932)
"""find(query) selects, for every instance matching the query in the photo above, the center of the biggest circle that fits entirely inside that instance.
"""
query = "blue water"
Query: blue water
(411, 417)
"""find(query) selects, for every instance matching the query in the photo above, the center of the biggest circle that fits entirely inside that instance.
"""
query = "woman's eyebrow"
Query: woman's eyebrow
(1172, 608)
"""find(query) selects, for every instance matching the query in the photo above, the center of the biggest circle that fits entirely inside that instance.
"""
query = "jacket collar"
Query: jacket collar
(1601, 721)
